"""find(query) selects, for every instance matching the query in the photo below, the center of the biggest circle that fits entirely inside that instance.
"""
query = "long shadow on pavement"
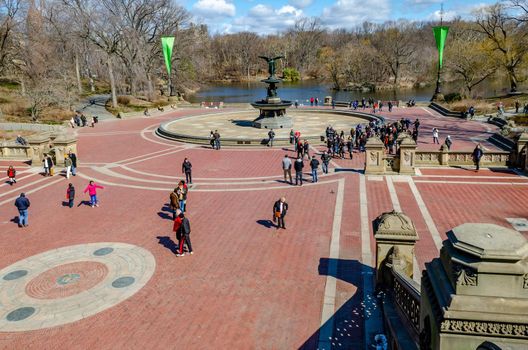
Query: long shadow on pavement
(266, 223)
(345, 328)
(168, 243)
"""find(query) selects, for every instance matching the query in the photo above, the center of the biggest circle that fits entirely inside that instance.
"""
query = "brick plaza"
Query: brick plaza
(248, 285)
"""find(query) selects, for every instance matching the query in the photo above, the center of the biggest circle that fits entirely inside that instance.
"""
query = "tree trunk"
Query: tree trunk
(22, 87)
(513, 80)
(150, 88)
(78, 74)
(112, 83)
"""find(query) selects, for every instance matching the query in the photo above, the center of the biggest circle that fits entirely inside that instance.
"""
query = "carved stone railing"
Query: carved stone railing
(406, 294)
(440, 158)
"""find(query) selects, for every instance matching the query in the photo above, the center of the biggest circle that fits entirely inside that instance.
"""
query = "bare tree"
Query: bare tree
(396, 45)
(508, 40)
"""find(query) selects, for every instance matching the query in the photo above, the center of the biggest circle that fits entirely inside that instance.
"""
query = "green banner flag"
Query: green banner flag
(166, 44)
(440, 34)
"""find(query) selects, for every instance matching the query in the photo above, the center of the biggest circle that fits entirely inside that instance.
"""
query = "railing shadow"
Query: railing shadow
(345, 328)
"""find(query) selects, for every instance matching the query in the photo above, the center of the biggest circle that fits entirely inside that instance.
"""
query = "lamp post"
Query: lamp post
(166, 44)
(440, 34)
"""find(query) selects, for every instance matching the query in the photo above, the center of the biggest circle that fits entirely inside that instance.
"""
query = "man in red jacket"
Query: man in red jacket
(176, 227)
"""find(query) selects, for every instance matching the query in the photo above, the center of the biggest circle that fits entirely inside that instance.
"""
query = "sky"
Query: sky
(269, 17)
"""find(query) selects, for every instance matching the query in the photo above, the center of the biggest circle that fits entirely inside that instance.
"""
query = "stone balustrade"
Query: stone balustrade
(447, 158)
(474, 296)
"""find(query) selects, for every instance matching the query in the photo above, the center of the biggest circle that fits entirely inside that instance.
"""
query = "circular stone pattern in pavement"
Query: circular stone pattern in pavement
(71, 283)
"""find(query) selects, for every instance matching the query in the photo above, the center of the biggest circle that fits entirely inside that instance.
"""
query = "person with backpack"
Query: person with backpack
(11, 174)
(314, 165)
(22, 204)
(70, 195)
(92, 191)
(185, 238)
(477, 155)
(187, 169)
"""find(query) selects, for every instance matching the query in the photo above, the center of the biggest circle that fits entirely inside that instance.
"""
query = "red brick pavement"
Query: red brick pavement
(248, 285)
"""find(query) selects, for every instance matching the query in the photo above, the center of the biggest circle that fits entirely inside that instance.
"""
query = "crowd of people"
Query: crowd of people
(178, 206)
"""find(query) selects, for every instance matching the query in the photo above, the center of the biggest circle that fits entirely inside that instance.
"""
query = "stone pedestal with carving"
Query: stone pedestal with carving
(38, 146)
(477, 290)
(407, 148)
(64, 143)
(395, 236)
(444, 155)
(374, 157)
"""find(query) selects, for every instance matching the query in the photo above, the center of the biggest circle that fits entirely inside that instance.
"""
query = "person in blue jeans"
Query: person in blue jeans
(22, 204)
(314, 165)
(325, 158)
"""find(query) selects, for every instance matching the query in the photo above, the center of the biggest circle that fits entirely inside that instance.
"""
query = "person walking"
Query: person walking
(46, 165)
(477, 155)
(216, 136)
(286, 167)
(50, 165)
(11, 174)
(187, 169)
(435, 136)
(92, 191)
(22, 204)
(325, 160)
(271, 137)
(292, 136)
(306, 149)
(298, 166)
(73, 158)
(176, 227)
(70, 194)
(185, 232)
(350, 147)
(314, 165)
(448, 142)
(67, 166)
(181, 192)
(280, 208)
(174, 203)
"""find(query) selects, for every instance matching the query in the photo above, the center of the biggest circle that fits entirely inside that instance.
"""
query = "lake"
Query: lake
(302, 91)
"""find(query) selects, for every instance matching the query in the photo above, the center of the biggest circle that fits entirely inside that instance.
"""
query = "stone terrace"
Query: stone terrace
(248, 286)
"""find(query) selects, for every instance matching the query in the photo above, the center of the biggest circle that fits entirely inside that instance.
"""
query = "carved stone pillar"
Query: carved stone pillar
(38, 145)
(407, 155)
(476, 293)
(395, 236)
(444, 155)
(374, 157)
(62, 145)
(521, 143)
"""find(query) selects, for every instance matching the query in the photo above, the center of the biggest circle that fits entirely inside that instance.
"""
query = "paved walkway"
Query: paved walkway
(108, 278)
(97, 108)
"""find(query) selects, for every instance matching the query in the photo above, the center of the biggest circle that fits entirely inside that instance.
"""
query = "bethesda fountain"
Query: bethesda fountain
(272, 108)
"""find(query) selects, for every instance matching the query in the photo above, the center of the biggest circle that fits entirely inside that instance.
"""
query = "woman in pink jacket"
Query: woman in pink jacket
(92, 191)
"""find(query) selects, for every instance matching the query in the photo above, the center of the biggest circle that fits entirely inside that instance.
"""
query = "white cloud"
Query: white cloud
(214, 8)
(350, 13)
(265, 19)
(446, 15)
(300, 4)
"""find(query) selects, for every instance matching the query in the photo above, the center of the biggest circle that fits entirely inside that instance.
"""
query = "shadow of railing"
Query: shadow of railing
(345, 329)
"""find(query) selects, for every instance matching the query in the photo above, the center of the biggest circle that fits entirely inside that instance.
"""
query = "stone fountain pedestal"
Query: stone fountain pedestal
(272, 108)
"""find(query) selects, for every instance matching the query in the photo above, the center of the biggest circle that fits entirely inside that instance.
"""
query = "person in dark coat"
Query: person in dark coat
(70, 195)
(185, 238)
(50, 165)
(477, 155)
(73, 158)
(187, 169)
(22, 204)
(280, 208)
(298, 165)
